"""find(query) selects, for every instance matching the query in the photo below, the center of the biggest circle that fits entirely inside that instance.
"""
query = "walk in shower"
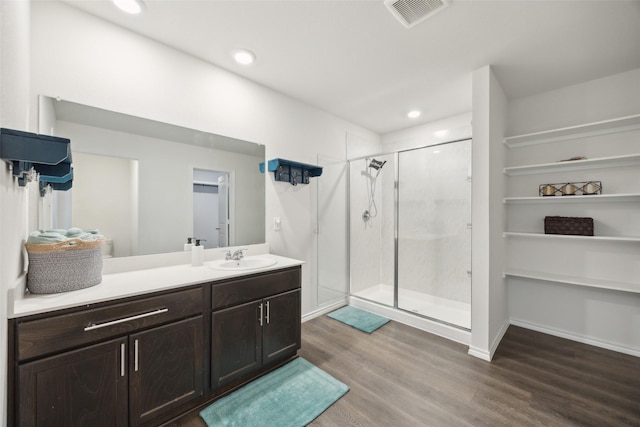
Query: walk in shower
(410, 231)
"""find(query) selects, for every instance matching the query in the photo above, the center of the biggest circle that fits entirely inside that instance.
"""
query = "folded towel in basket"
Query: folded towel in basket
(58, 235)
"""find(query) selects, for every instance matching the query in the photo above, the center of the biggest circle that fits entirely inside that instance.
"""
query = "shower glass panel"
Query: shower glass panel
(434, 232)
(372, 225)
(332, 231)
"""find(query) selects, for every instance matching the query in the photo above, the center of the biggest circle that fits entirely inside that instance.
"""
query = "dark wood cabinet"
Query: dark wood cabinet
(151, 362)
(144, 360)
(165, 367)
(236, 343)
(86, 387)
(247, 337)
(281, 331)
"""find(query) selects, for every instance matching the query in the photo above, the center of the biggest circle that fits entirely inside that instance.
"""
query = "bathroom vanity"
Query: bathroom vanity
(142, 360)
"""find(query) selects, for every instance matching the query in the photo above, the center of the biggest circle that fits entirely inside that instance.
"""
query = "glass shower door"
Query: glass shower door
(332, 231)
(434, 232)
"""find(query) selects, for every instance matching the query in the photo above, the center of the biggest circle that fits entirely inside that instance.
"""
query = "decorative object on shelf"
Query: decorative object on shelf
(575, 226)
(50, 156)
(586, 188)
(568, 189)
(573, 159)
(548, 190)
(292, 172)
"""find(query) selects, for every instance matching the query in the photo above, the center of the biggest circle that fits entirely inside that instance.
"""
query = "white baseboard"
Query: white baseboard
(479, 353)
(498, 338)
(488, 355)
(324, 310)
(574, 337)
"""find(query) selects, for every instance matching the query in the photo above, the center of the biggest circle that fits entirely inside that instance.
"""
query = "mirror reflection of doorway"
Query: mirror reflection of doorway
(211, 207)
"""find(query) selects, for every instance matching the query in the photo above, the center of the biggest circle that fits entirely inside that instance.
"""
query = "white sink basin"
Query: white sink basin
(251, 263)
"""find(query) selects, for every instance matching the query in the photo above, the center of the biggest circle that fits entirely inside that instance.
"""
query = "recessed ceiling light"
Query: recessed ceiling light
(244, 56)
(133, 7)
(413, 114)
(441, 133)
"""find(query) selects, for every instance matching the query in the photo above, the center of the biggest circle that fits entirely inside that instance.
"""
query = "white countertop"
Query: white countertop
(138, 282)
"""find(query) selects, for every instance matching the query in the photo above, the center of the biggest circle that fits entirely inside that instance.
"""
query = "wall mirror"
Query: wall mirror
(140, 181)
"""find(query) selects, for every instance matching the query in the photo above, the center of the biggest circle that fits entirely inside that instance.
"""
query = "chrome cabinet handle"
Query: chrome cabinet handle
(261, 312)
(268, 311)
(135, 355)
(122, 367)
(93, 326)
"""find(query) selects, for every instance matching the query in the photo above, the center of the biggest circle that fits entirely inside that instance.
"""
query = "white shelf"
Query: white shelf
(574, 280)
(572, 237)
(604, 127)
(607, 198)
(596, 163)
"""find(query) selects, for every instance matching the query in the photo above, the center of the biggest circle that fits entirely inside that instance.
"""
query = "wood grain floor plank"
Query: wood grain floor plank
(400, 376)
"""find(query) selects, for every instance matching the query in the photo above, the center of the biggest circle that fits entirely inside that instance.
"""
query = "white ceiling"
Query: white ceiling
(355, 60)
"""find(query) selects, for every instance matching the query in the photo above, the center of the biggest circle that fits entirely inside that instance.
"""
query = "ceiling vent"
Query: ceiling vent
(412, 12)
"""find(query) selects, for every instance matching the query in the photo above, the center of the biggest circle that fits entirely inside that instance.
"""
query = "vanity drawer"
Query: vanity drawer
(57, 333)
(245, 289)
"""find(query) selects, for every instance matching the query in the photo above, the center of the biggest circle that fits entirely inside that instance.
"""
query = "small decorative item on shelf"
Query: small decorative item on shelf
(573, 159)
(548, 190)
(570, 189)
(575, 226)
(592, 187)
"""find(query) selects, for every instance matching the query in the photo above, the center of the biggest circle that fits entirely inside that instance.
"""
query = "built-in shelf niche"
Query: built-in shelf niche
(535, 256)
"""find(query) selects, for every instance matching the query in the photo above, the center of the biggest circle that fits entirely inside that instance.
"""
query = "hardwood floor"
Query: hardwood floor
(401, 376)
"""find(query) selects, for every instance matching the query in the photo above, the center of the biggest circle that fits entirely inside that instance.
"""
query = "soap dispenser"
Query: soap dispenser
(189, 244)
(197, 254)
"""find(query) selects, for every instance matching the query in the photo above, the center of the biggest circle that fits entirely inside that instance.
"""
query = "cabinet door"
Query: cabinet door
(236, 343)
(281, 332)
(86, 387)
(166, 366)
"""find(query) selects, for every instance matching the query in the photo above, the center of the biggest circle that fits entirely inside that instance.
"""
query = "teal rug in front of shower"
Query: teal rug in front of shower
(291, 396)
(359, 319)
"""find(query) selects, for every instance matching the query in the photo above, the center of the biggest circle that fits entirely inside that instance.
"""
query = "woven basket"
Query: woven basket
(66, 266)
(575, 226)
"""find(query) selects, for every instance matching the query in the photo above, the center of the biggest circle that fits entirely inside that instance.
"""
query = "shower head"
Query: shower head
(377, 164)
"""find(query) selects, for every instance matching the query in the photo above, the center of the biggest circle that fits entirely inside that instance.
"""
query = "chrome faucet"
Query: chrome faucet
(236, 256)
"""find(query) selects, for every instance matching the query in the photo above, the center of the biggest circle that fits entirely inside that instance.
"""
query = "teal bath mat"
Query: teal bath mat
(359, 319)
(291, 396)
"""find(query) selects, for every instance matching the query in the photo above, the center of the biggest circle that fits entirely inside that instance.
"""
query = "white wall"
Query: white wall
(609, 319)
(115, 211)
(149, 80)
(446, 129)
(14, 114)
(489, 317)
